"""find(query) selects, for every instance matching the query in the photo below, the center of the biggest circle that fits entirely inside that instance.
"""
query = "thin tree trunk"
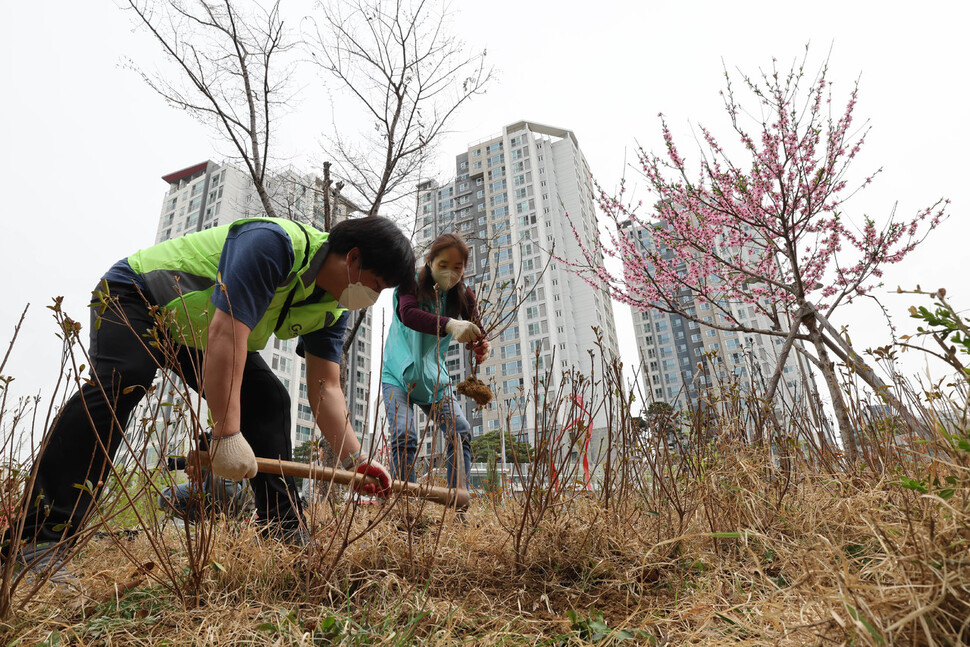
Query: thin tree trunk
(827, 367)
(847, 354)
(796, 323)
(348, 342)
(327, 220)
(327, 455)
(776, 378)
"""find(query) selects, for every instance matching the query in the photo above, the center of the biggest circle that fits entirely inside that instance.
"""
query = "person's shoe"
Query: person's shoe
(43, 562)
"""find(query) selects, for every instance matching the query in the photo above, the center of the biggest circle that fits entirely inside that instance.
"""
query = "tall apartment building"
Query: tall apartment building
(210, 194)
(680, 358)
(509, 200)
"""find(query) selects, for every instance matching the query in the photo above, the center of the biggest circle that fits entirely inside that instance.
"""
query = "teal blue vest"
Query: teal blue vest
(416, 362)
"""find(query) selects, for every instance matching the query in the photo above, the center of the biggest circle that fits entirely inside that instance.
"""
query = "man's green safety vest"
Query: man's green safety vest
(181, 275)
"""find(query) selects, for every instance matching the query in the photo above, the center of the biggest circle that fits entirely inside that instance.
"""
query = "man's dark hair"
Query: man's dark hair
(384, 249)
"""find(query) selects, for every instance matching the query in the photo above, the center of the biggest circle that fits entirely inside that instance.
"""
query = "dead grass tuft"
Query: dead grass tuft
(869, 564)
(693, 536)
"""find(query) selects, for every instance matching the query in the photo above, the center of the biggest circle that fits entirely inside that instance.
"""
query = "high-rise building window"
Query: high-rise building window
(304, 412)
(510, 351)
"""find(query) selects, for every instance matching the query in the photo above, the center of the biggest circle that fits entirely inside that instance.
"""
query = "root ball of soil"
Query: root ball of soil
(475, 389)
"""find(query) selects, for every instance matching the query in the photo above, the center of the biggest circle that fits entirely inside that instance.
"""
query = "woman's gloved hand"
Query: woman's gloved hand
(482, 350)
(462, 331)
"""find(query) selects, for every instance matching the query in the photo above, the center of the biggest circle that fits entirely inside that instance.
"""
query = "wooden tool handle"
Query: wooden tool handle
(454, 497)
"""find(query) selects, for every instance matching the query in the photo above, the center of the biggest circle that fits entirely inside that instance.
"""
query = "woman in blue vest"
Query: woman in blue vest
(427, 318)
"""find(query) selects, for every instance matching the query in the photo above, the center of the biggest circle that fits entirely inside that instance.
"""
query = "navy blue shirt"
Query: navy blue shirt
(256, 257)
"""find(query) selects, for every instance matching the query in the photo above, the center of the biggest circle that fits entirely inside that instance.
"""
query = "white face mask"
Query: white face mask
(357, 295)
(445, 279)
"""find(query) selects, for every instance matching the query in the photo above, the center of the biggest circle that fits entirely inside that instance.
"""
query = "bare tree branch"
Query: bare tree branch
(230, 73)
(409, 75)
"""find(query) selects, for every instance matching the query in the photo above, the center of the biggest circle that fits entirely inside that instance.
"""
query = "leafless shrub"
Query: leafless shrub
(691, 534)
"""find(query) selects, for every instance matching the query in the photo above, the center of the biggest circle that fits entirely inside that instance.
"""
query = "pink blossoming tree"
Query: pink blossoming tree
(768, 231)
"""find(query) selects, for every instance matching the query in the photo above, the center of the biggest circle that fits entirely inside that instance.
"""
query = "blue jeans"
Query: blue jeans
(404, 436)
(222, 493)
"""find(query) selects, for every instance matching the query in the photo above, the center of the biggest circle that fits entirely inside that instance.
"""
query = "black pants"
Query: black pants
(121, 357)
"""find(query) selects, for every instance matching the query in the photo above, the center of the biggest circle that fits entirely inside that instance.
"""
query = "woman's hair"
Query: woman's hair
(458, 301)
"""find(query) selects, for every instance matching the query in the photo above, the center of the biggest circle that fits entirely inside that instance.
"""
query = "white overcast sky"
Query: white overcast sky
(85, 141)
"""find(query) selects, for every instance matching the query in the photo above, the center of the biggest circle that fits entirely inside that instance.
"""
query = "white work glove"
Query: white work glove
(462, 331)
(232, 457)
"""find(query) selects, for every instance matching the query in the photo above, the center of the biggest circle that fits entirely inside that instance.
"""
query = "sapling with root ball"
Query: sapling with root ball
(498, 306)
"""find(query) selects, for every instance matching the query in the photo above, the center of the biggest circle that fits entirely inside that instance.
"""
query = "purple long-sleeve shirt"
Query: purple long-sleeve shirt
(414, 317)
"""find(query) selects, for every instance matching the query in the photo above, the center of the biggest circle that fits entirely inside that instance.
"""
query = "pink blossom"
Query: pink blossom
(771, 231)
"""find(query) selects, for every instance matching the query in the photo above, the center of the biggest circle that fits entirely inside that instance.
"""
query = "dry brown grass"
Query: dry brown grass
(838, 560)
(694, 536)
